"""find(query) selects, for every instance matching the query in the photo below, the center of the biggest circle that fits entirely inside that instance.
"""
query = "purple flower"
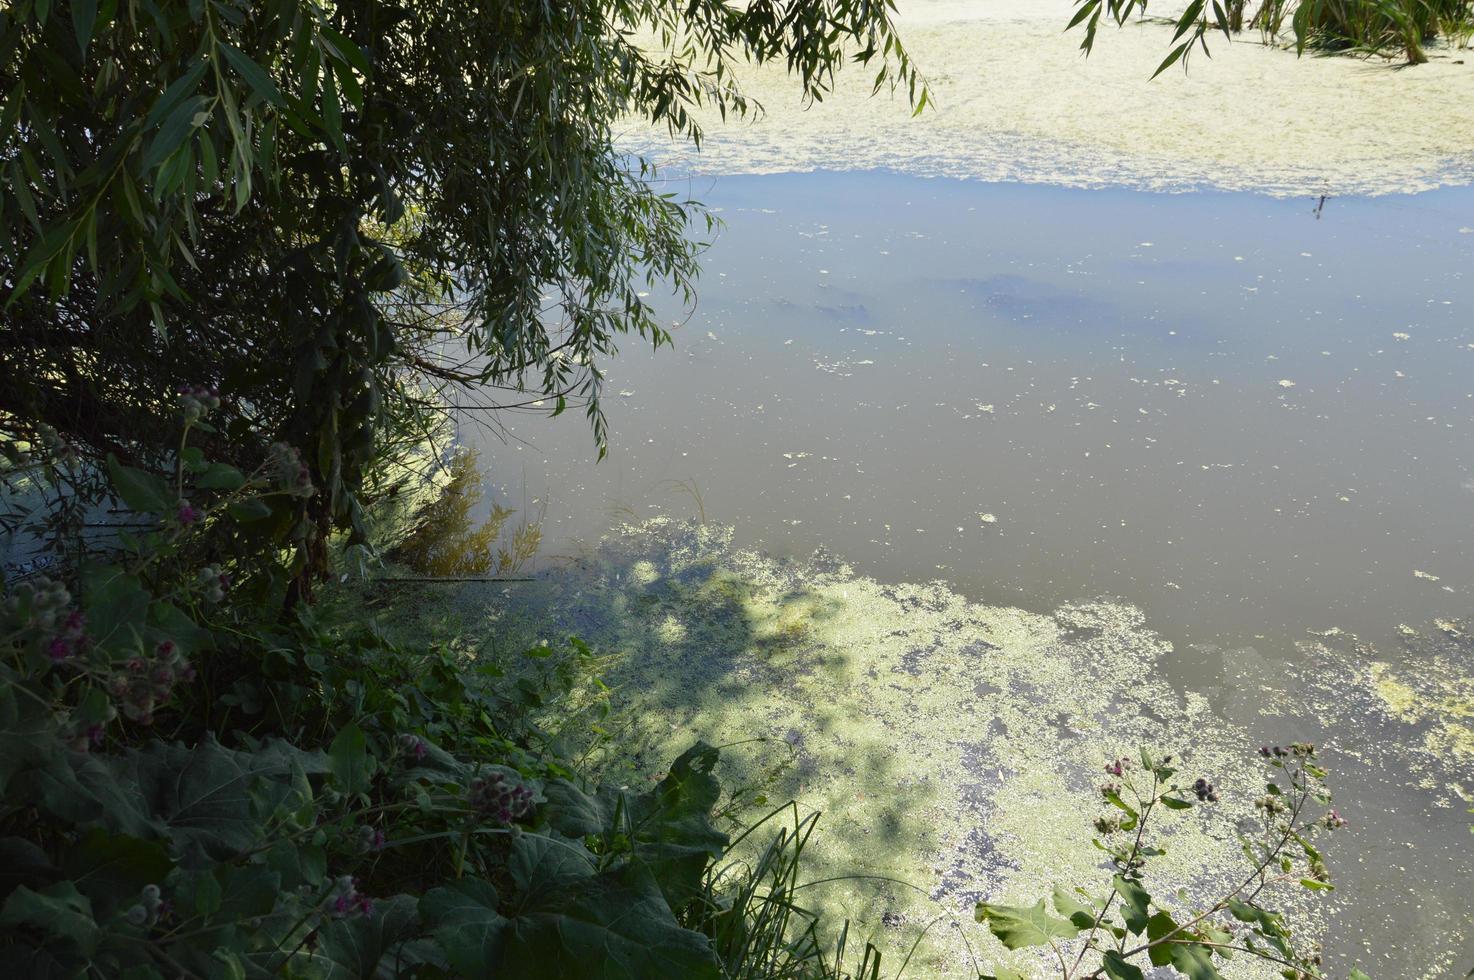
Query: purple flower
(348, 900)
(188, 514)
(495, 797)
(58, 649)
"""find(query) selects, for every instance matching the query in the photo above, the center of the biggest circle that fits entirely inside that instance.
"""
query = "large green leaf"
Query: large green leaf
(220, 476)
(1168, 942)
(1018, 926)
(572, 924)
(112, 869)
(210, 800)
(672, 829)
(1135, 904)
(140, 490)
(34, 764)
(1072, 908)
(23, 863)
(616, 926)
(117, 607)
(575, 813)
(545, 872)
(370, 946)
(116, 803)
(1194, 961)
(349, 761)
(463, 917)
(1116, 966)
(58, 911)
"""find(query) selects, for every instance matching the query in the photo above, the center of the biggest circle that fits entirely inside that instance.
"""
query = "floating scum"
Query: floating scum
(955, 749)
(1012, 99)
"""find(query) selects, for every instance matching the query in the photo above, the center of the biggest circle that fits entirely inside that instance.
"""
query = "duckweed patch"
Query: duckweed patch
(954, 748)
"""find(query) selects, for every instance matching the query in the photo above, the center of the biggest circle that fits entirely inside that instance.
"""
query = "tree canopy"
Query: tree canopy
(321, 209)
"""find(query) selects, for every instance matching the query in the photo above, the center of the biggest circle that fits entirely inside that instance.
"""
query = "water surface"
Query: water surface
(1247, 418)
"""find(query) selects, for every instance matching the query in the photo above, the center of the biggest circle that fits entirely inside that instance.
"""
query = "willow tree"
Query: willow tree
(287, 200)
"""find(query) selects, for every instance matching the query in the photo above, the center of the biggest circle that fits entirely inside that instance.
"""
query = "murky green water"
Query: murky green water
(1216, 446)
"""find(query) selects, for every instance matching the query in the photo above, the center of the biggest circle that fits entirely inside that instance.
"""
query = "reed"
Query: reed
(1385, 27)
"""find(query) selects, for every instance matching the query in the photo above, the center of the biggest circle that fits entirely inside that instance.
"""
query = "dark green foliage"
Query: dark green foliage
(1390, 27)
(1378, 26)
(301, 218)
(190, 787)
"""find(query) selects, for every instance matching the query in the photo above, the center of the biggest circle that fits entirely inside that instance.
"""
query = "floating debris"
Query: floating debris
(1449, 628)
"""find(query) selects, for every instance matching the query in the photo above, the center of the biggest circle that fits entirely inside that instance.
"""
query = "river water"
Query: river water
(959, 487)
(1246, 417)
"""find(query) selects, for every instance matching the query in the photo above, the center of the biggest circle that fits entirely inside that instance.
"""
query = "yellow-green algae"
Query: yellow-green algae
(952, 746)
(1422, 701)
(1441, 700)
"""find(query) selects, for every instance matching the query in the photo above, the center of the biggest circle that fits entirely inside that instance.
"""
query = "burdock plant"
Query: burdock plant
(1116, 930)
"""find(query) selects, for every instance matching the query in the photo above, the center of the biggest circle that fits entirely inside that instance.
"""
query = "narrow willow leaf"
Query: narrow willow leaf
(1086, 9)
(332, 112)
(253, 74)
(177, 90)
(84, 19)
(345, 49)
(175, 130)
(1171, 59)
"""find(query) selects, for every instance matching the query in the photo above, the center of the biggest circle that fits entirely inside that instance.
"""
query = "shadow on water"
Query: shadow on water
(956, 747)
(703, 651)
